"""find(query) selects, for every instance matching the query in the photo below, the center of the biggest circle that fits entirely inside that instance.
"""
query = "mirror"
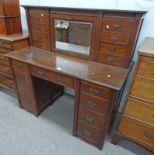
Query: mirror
(72, 36)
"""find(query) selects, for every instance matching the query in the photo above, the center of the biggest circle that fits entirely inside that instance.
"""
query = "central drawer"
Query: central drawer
(58, 78)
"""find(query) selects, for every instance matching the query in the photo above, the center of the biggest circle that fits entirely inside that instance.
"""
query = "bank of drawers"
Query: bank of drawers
(24, 86)
(39, 23)
(93, 109)
(115, 43)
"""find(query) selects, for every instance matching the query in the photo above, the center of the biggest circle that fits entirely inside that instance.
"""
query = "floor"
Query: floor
(21, 133)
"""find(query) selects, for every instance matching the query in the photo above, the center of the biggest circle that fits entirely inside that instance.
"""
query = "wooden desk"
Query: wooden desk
(96, 88)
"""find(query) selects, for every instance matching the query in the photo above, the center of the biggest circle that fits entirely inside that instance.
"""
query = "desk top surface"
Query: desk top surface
(101, 74)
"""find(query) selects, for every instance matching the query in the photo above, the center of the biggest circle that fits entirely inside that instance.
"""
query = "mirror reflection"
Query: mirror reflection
(73, 36)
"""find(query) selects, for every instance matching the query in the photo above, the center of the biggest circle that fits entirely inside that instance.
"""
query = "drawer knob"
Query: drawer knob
(112, 50)
(41, 73)
(42, 15)
(60, 80)
(149, 134)
(93, 91)
(89, 118)
(113, 39)
(19, 66)
(87, 132)
(109, 58)
(115, 26)
(91, 104)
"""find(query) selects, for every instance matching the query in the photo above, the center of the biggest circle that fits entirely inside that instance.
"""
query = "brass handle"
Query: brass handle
(19, 66)
(149, 134)
(87, 132)
(109, 58)
(116, 26)
(60, 80)
(113, 39)
(112, 50)
(89, 118)
(41, 73)
(1, 42)
(93, 91)
(91, 104)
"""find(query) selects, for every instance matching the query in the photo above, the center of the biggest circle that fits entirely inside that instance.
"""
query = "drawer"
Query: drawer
(89, 133)
(140, 132)
(41, 45)
(114, 60)
(5, 68)
(115, 38)
(5, 44)
(38, 17)
(92, 118)
(96, 90)
(115, 50)
(4, 51)
(39, 28)
(146, 67)
(42, 37)
(53, 77)
(93, 103)
(117, 25)
(7, 82)
(139, 110)
(143, 88)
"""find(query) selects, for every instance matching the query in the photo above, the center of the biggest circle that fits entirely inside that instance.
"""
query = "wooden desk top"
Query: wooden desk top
(147, 47)
(101, 74)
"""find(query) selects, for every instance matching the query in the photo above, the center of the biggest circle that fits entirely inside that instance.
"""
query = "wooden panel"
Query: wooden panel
(5, 69)
(41, 45)
(37, 27)
(139, 110)
(41, 37)
(137, 131)
(115, 38)
(93, 103)
(146, 67)
(95, 90)
(143, 88)
(53, 77)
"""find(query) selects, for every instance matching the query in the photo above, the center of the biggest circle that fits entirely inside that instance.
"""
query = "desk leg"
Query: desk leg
(76, 106)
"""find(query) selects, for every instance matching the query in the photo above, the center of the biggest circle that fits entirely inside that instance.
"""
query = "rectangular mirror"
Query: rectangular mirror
(72, 36)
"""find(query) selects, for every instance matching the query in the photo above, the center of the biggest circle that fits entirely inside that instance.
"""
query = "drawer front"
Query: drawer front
(41, 45)
(115, 50)
(143, 88)
(114, 60)
(95, 90)
(88, 133)
(5, 44)
(7, 81)
(139, 110)
(95, 104)
(39, 28)
(4, 68)
(137, 131)
(117, 25)
(146, 67)
(53, 77)
(4, 59)
(42, 37)
(91, 117)
(115, 38)
(39, 17)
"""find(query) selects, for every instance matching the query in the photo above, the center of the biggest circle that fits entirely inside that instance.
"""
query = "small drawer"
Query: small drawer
(96, 90)
(88, 133)
(53, 77)
(41, 45)
(114, 60)
(136, 130)
(146, 67)
(139, 110)
(115, 50)
(42, 37)
(5, 44)
(39, 17)
(117, 25)
(92, 103)
(115, 38)
(39, 28)
(7, 82)
(92, 118)
(143, 88)
(5, 68)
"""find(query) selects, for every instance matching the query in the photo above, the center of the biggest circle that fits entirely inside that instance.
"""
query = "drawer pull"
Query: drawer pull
(112, 50)
(115, 26)
(87, 132)
(60, 80)
(149, 134)
(1, 42)
(41, 73)
(19, 66)
(113, 39)
(91, 104)
(89, 118)
(109, 58)
(93, 91)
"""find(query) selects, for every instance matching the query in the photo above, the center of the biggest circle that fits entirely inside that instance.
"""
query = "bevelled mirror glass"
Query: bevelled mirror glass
(72, 36)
